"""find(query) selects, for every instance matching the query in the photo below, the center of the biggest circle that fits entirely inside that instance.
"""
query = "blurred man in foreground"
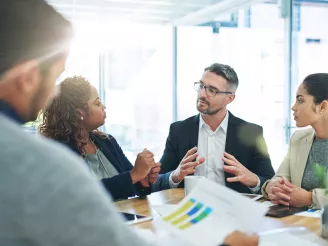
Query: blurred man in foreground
(47, 195)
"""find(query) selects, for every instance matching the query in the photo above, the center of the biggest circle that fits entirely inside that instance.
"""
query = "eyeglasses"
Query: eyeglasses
(211, 92)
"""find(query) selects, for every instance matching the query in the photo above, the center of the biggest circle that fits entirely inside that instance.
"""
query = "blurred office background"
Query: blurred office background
(145, 55)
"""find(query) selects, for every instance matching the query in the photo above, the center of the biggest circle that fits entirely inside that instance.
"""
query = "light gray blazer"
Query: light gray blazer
(292, 168)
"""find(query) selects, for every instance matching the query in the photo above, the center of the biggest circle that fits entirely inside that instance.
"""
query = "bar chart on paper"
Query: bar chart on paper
(196, 215)
(190, 213)
(209, 213)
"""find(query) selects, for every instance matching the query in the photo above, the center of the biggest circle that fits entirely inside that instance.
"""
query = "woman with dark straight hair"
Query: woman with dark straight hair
(296, 183)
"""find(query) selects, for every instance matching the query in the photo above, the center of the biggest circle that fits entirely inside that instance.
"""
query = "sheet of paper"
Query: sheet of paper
(286, 240)
(210, 212)
(147, 235)
(313, 213)
(290, 237)
(162, 238)
(164, 209)
(268, 204)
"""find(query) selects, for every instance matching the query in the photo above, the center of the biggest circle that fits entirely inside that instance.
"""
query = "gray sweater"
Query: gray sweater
(318, 154)
(48, 196)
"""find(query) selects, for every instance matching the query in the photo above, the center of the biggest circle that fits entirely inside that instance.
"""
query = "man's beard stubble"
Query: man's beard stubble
(207, 111)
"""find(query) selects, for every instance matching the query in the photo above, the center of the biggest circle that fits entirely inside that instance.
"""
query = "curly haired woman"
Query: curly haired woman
(73, 119)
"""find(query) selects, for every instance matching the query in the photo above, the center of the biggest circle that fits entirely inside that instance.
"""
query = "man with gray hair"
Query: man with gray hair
(216, 144)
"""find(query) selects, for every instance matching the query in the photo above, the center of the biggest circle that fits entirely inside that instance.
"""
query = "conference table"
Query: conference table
(143, 206)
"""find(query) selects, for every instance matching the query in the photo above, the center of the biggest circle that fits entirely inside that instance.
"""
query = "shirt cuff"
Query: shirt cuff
(171, 182)
(257, 187)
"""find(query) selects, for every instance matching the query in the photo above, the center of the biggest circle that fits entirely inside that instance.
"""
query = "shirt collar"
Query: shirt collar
(8, 111)
(223, 125)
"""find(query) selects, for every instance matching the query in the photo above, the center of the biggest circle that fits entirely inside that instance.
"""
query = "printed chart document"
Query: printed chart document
(210, 212)
(164, 209)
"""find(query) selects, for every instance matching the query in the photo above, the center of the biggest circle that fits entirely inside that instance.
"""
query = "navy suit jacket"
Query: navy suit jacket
(120, 186)
(244, 141)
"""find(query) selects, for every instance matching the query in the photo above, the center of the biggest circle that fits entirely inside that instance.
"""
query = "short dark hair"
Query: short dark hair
(316, 85)
(31, 29)
(226, 72)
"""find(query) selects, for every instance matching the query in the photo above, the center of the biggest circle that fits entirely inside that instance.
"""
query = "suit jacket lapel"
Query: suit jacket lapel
(302, 157)
(230, 140)
(194, 131)
(106, 147)
(193, 135)
(231, 134)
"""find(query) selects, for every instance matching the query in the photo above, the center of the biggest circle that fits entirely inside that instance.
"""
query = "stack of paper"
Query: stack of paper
(211, 212)
(291, 236)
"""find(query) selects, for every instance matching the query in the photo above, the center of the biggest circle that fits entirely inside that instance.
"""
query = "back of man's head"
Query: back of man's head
(34, 41)
(30, 29)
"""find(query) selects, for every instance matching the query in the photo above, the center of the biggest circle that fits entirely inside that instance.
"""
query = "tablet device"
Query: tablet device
(279, 211)
(135, 218)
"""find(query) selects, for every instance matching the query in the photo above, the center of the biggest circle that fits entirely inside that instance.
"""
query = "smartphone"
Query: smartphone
(135, 218)
(279, 211)
(254, 197)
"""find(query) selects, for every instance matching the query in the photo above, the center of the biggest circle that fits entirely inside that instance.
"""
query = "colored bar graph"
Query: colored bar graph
(189, 214)
(199, 218)
(182, 210)
(180, 219)
(183, 217)
(202, 216)
(195, 209)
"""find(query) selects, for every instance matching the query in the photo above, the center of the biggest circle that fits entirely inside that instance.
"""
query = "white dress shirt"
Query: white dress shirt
(211, 146)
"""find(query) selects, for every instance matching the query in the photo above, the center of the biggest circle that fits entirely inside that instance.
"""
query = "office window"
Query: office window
(138, 86)
(83, 58)
(194, 53)
(257, 55)
(310, 46)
